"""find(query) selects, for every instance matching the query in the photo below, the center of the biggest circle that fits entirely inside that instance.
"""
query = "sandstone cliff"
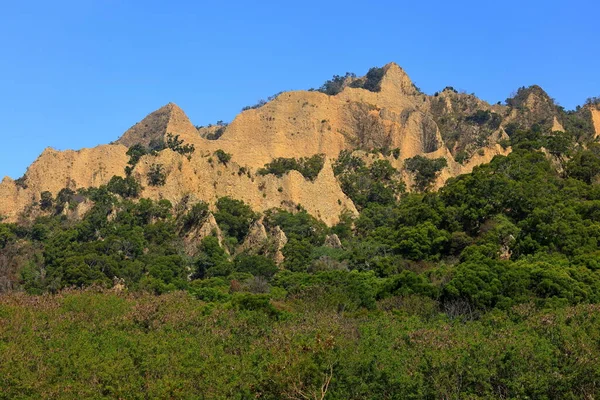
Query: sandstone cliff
(391, 113)
(596, 120)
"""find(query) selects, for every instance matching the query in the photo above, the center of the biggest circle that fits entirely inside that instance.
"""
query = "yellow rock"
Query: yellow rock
(295, 124)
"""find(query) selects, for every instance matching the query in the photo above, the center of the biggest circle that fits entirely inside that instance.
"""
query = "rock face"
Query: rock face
(55, 170)
(333, 241)
(595, 110)
(193, 238)
(392, 113)
(208, 179)
(269, 244)
(256, 239)
(167, 119)
(279, 242)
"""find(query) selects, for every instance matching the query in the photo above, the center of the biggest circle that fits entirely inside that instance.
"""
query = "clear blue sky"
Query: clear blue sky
(79, 73)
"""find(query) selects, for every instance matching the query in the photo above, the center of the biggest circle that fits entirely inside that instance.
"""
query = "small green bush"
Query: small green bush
(222, 156)
(309, 167)
(157, 175)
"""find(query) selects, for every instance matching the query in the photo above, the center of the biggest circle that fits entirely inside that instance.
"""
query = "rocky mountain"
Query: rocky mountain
(382, 115)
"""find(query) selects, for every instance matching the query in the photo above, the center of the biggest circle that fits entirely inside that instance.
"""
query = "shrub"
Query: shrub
(254, 302)
(336, 84)
(425, 170)
(380, 183)
(222, 156)
(64, 197)
(156, 145)
(136, 152)
(309, 167)
(176, 144)
(585, 165)
(480, 117)
(234, 217)
(299, 225)
(46, 200)
(21, 182)
(126, 187)
(259, 104)
(373, 79)
(157, 175)
(212, 260)
(256, 265)
(196, 216)
(217, 133)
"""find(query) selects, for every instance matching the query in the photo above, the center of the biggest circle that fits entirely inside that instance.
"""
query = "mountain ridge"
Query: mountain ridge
(382, 110)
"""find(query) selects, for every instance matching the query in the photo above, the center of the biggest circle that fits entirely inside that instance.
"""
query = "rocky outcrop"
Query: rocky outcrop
(393, 114)
(193, 238)
(267, 243)
(557, 126)
(333, 241)
(208, 179)
(54, 170)
(279, 241)
(256, 240)
(531, 105)
(304, 123)
(168, 119)
(595, 110)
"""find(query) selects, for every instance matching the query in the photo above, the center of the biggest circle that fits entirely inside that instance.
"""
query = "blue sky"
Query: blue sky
(76, 74)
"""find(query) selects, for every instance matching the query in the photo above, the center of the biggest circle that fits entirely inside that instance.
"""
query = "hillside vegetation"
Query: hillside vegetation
(486, 288)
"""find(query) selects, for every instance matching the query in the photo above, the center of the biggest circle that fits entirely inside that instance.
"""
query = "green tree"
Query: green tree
(126, 187)
(212, 260)
(195, 216)
(585, 165)
(222, 156)
(136, 152)
(234, 217)
(156, 175)
(46, 201)
(256, 265)
(426, 170)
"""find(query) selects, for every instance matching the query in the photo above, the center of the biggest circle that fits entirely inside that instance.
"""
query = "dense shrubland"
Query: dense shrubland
(95, 344)
(487, 288)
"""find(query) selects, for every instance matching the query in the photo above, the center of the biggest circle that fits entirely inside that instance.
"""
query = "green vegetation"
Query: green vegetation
(46, 200)
(21, 182)
(309, 167)
(156, 175)
(482, 117)
(259, 104)
(371, 82)
(487, 288)
(126, 187)
(195, 216)
(234, 217)
(585, 165)
(336, 84)
(174, 143)
(425, 169)
(238, 344)
(378, 183)
(136, 152)
(217, 133)
(222, 156)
